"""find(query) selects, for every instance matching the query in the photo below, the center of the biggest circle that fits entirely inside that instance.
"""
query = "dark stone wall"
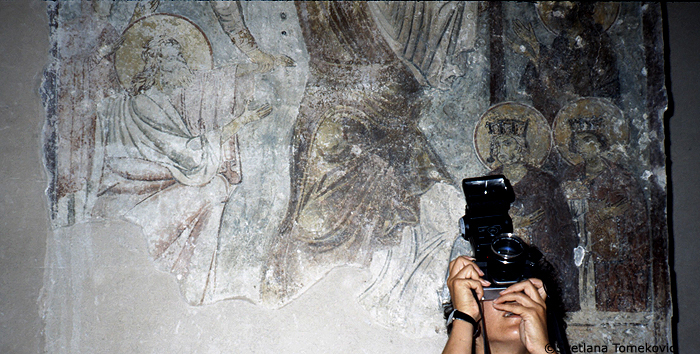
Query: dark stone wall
(683, 36)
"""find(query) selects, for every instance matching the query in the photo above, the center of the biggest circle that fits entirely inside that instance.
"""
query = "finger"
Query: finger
(471, 271)
(462, 269)
(530, 315)
(519, 25)
(518, 303)
(539, 285)
(289, 62)
(525, 285)
(264, 110)
(462, 262)
(531, 287)
(264, 106)
(458, 263)
(526, 312)
(539, 216)
(462, 297)
(517, 297)
(468, 270)
(470, 284)
(526, 288)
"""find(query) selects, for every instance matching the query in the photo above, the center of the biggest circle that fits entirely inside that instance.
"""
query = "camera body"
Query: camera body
(505, 259)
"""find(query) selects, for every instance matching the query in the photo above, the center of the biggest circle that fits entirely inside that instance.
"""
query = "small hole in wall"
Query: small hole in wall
(283, 16)
(284, 33)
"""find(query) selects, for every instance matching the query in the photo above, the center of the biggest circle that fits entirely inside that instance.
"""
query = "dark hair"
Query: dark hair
(556, 311)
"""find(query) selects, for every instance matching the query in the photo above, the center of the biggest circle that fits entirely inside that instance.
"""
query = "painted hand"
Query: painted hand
(251, 115)
(266, 62)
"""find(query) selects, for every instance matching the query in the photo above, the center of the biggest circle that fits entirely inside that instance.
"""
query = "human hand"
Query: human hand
(464, 277)
(527, 300)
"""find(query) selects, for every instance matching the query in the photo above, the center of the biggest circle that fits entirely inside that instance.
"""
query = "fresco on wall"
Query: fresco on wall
(579, 62)
(514, 140)
(259, 146)
(608, 205)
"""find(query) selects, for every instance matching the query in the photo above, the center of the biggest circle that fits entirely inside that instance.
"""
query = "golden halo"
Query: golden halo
(195, 45)
(537, 134)
(613, 127)
(605, 14)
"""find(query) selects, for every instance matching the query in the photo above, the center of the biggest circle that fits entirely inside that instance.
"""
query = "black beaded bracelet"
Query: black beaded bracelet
(459, 315)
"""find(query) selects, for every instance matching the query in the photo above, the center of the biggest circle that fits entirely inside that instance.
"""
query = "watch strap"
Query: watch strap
(459, 315)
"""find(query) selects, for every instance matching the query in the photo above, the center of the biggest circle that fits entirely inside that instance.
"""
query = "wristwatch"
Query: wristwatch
(459, 315)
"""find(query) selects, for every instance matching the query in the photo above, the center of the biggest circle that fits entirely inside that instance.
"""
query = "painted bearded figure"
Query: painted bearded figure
(163, 165)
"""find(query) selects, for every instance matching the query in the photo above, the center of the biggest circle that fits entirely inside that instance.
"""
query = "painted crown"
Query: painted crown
(586, 124)
(505, 126)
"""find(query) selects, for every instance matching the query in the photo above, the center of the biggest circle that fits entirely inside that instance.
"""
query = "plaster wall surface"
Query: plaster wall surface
(325, 319)
(24, 227)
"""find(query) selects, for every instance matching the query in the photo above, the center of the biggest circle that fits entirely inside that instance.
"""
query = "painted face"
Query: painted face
(564, 15)
(170, 56)
(507, 150)
(173, 66)
(587, 145)
(329, 140)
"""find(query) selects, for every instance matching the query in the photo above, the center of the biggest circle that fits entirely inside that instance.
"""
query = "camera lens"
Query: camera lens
(508, 247)
(507, 260)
